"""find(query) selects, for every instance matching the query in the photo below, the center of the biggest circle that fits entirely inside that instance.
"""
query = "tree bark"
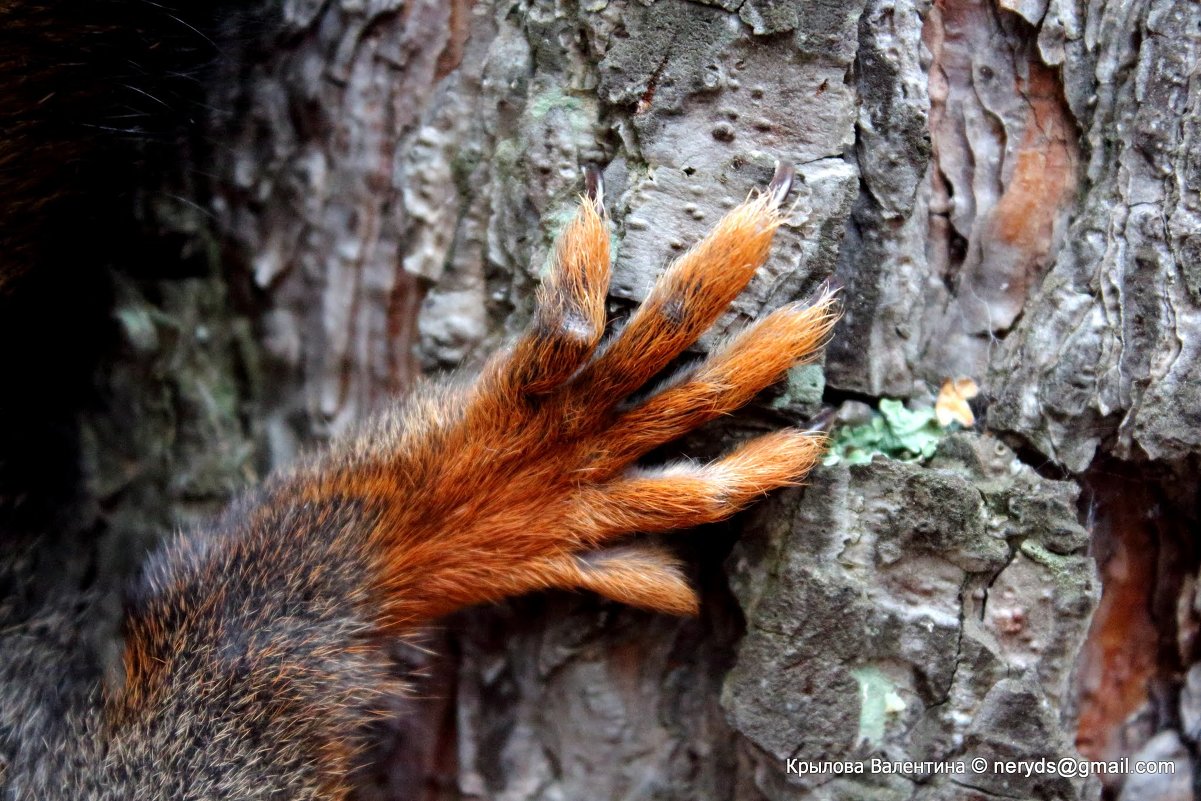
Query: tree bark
(1009, 192)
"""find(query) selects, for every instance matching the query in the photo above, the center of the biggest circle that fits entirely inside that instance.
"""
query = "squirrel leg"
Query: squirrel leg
(253, 647)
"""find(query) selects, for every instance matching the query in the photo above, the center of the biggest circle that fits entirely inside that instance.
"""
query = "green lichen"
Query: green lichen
(878, 702)
(579, 113)
(895, 432)
(554, 98)
(803, 388)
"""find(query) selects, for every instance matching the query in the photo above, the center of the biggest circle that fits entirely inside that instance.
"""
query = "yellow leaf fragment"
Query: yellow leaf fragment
(952, 404)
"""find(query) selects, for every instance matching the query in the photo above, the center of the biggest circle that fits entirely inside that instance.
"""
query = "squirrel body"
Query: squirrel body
(253, 650)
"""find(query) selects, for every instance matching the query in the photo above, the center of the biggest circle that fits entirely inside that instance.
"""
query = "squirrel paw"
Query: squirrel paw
(254, 643)
(514, 482)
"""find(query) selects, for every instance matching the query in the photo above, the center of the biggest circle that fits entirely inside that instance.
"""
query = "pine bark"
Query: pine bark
(1009, 192)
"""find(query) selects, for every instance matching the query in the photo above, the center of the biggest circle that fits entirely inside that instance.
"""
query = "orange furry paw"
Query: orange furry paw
(530, 475)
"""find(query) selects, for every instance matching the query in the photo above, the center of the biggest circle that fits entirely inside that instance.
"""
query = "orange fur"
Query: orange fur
(639, 575)
(504, 486)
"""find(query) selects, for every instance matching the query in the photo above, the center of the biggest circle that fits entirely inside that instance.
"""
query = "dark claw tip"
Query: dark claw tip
(594, 186)
(781, 182)
(822, 421)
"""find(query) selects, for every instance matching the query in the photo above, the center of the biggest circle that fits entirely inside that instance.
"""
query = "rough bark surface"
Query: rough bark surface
(1008, 190)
